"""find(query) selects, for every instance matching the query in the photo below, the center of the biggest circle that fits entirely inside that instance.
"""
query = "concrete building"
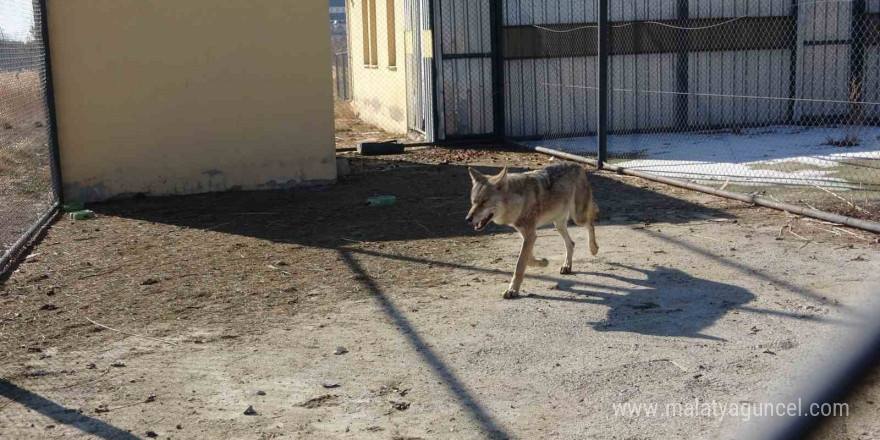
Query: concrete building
(177, 97)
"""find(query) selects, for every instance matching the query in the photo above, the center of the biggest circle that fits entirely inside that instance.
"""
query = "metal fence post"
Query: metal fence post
(857, 62)
(496, 24)
(792, 60)
(602, 111)
(682, 118)
(54, 151)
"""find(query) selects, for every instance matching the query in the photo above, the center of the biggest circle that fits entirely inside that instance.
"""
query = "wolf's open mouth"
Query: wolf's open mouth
(482, 224)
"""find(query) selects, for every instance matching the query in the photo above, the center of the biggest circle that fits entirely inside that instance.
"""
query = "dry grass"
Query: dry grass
(25, 178)
(786, 167)
(20, 94)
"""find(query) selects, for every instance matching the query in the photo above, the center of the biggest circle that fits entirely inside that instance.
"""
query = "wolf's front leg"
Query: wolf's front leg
(525, 254)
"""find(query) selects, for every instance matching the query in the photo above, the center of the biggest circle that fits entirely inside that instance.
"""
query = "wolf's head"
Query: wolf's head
(487, 197)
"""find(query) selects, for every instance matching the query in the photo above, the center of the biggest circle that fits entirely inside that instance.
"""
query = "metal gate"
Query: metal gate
(30, 183)
(468, 80)
(341, 76)
(418, 68)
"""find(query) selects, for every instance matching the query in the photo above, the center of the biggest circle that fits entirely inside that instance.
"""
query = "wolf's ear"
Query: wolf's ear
(498, 178)
(476, 176)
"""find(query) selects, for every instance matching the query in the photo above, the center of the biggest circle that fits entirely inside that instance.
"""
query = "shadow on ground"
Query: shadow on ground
(61, 414)
(432, 201)
(660, 301)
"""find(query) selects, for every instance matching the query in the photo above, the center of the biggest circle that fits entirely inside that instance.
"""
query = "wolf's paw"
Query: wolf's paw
(594, 248)
(510, 294)
(565, 270)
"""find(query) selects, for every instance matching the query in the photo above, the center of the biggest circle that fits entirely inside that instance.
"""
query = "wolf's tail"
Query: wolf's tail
(586, 210)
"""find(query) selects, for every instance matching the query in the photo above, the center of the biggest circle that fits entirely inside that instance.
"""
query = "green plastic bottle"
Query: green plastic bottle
(82, 215)
(382, 201)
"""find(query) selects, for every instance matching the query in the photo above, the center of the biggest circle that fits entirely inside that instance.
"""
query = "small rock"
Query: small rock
(102, 408)
(340, 350)
(280, 263)
(152, 434)
(91, 366)
(150, 399)
(250, 411)
(149, 282)
(118, 364)
(332, 385)
(261, 393)
(49, 307)
(400, 406)
(179, 426)
(697, 376)
(768, 351)
(50, 426)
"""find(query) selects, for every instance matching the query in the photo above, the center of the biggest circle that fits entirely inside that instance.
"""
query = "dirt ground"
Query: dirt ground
(218, 302)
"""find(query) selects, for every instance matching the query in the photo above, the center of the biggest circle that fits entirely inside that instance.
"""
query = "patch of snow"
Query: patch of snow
(725, 155)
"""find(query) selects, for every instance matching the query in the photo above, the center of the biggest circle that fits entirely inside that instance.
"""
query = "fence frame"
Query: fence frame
(7, 259)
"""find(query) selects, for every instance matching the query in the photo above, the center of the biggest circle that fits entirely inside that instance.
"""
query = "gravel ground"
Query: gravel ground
(211, 304)
(248, 297)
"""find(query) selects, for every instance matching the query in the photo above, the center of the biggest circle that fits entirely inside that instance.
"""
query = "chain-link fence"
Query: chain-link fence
(381, 73)
(29, 185)
(777, 97)
(339, 47)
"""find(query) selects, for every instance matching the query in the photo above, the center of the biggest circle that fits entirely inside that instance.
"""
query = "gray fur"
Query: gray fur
(527, 201)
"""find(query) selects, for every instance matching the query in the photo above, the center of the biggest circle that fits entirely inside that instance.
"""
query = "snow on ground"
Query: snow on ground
(782, 155)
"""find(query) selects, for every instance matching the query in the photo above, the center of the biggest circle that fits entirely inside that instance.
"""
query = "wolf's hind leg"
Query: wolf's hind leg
(593, 213)
(562, 229)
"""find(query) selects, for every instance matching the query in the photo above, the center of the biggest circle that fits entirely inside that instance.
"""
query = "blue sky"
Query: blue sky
(16, 18)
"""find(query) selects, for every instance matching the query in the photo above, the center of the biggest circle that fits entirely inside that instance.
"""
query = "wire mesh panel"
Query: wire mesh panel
(29, 185)
(549, 51)
(465, 71)
(778, 97)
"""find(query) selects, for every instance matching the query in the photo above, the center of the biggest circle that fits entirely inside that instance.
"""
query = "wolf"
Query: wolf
(529, 200)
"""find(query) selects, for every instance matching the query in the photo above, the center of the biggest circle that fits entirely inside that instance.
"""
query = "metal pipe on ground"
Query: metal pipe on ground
(866, 225)
(8, 257)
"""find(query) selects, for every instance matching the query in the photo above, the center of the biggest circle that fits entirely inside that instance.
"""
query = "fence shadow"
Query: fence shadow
(61, 414)
(485, 420)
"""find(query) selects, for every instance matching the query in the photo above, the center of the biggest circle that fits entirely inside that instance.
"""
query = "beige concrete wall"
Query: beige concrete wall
(186, 96)
(378, 92)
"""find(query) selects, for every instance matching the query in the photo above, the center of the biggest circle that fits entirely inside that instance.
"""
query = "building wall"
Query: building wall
(177, 97)
(378, 92)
